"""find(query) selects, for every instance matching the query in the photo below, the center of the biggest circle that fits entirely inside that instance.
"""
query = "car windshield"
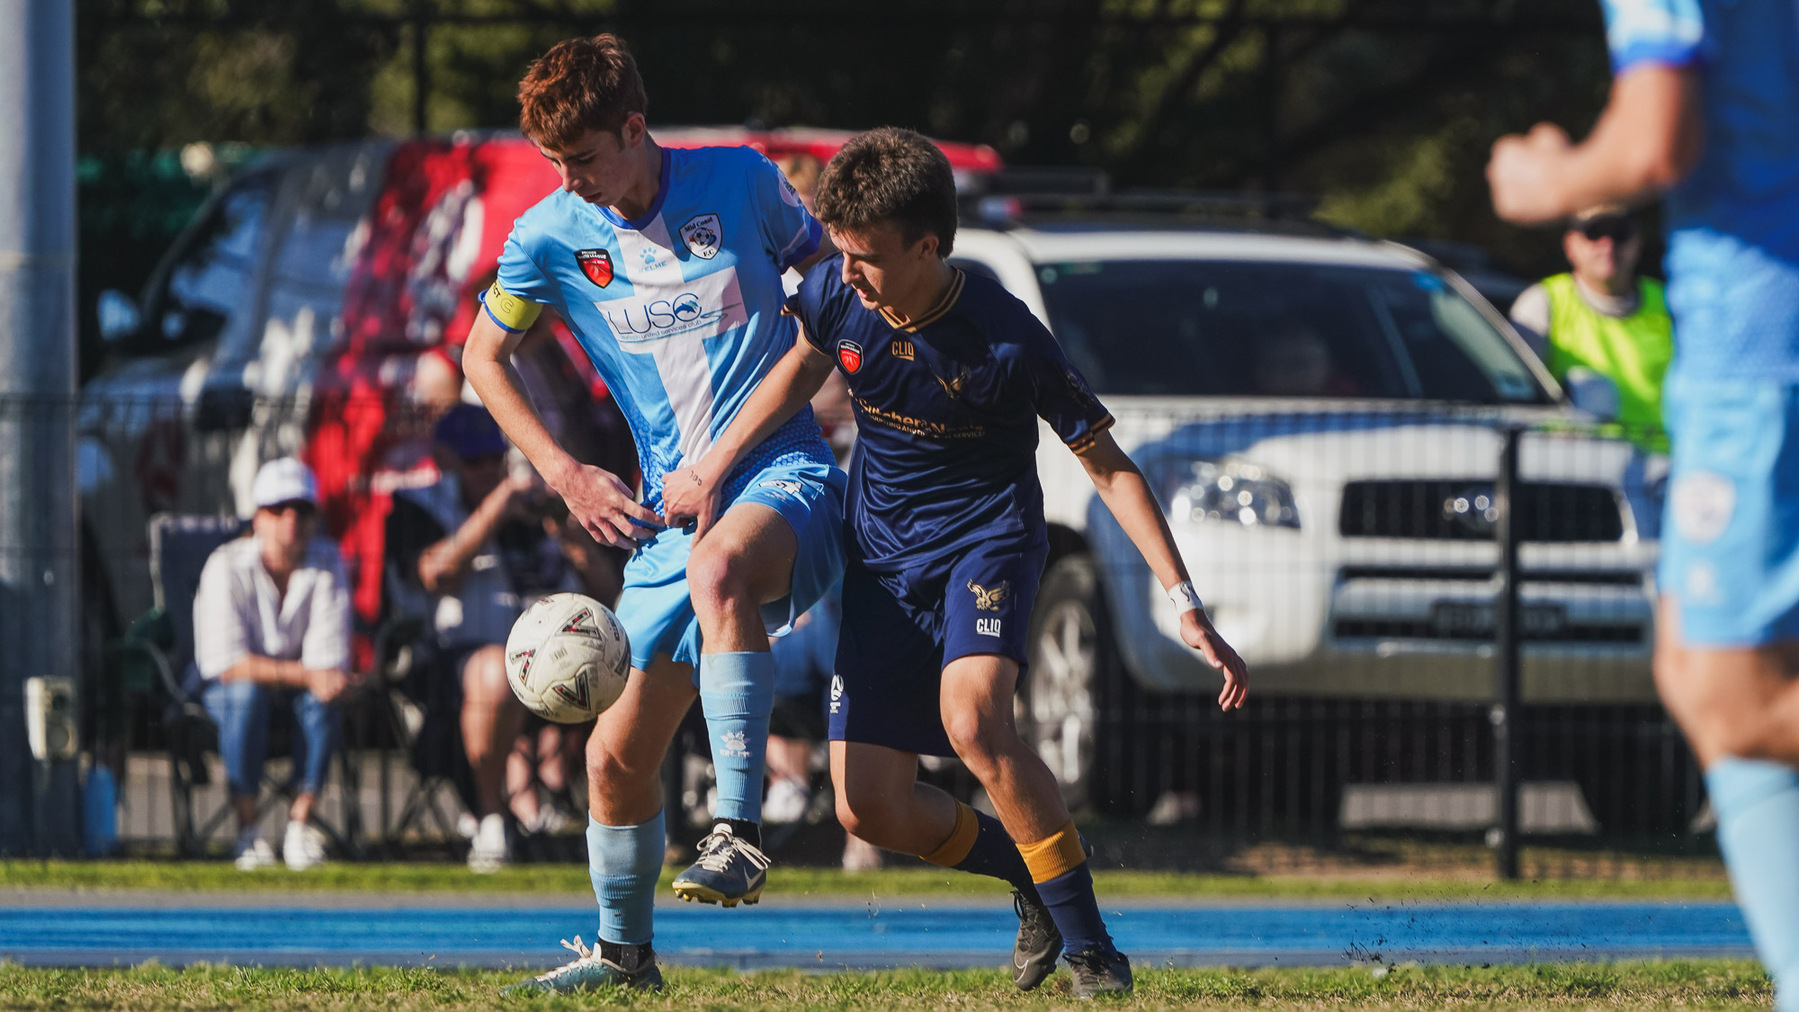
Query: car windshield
(1278, 329)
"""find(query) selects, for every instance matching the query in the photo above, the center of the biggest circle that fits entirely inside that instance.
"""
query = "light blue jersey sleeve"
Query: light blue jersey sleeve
(1667, 32)
(519, 282)
(790, 231)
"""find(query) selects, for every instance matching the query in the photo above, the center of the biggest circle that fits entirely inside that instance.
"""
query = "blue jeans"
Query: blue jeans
(241, 709)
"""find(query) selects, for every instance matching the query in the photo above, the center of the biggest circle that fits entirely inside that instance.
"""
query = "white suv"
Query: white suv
(1320, 415)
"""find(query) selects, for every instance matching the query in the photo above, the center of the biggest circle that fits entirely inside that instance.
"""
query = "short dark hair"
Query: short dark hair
(579, 85)
(890, 175)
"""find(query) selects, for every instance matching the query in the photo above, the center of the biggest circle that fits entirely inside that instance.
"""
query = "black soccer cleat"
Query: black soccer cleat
(1100, 970)
(1039, 943)
(729, 870)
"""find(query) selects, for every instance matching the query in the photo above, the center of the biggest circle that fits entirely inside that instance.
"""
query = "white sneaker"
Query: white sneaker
(304, 847)
(550, 821)
(489, 852)
(787, 802)
(253, 852)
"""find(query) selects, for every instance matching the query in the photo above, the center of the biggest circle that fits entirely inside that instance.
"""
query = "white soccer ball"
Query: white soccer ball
(567, 658)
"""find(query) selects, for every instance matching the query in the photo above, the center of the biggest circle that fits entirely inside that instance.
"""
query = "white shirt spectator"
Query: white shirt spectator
(238, 612)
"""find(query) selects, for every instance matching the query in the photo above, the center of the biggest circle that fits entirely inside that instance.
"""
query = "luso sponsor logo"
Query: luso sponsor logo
(704, 307)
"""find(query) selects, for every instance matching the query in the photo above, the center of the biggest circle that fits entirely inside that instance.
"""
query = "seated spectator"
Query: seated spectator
(272, 623)
(480, 544)
(1601, 316)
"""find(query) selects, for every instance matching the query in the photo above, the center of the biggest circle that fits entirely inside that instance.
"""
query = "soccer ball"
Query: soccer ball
(567, 658)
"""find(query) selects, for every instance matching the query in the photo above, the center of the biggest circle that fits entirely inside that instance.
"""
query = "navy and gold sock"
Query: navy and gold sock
(1058, 865)
(980, 845)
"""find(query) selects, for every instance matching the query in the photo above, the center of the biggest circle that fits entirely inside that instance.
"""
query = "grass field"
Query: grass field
(1701, 984)
(822, 883)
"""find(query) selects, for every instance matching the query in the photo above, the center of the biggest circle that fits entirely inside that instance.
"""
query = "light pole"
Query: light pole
(39, 559)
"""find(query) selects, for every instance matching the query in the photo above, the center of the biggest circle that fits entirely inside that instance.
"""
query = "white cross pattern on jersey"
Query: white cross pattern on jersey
(670, 318)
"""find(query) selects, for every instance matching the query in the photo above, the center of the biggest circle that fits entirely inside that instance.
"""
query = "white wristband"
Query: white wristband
(1184, 597)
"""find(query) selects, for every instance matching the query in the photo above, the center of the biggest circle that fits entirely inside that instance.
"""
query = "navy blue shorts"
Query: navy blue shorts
(900, 629)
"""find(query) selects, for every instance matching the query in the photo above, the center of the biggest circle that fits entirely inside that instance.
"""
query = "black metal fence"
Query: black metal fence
(1357, 556)
(1354, 554)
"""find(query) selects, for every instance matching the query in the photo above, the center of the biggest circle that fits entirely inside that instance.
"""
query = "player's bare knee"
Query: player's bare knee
(864, 813)
(979, 739)
(608, 772)
(717, 579)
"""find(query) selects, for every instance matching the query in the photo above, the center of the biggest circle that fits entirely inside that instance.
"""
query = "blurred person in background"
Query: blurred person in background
(272, 624)
(480, 543)
(1294, 360)
(1705, 108)
(1602, 316)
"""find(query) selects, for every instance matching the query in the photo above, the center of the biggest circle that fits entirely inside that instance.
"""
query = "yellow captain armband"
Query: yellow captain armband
(510, 311)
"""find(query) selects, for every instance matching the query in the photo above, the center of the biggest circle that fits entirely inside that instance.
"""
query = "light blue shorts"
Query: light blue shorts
(655, 607)
(1730, 529)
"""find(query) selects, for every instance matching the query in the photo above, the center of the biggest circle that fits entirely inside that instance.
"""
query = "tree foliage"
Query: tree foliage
(1384, 108)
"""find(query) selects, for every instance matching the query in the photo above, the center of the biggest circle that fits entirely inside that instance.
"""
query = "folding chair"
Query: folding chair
(400, 650)
(179, 548)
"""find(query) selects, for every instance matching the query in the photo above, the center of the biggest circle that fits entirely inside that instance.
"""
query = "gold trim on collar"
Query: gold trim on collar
(936, 312)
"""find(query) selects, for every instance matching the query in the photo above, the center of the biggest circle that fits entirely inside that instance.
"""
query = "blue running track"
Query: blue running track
(836, 937)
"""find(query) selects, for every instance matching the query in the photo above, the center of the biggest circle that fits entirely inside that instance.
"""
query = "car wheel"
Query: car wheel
(1076, 704)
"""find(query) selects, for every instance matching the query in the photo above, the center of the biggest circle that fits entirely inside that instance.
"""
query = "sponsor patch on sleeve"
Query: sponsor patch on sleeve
(510, 311)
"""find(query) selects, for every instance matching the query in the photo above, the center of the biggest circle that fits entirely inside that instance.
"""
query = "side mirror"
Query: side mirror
(1593, 393)
(118, 315)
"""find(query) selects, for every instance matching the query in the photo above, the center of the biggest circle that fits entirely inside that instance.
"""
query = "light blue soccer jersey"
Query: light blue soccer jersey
(680, 310)
(1733, 244)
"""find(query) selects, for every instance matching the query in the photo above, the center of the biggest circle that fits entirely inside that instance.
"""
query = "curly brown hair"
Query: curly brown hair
(579, 85)
(890, 175)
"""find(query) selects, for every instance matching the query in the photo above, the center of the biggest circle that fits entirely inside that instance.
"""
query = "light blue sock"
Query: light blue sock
(623, 862)
(737, 691)
(1757, 804)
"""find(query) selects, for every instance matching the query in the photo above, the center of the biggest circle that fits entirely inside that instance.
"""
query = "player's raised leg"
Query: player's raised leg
(625, 837)
(977, 714)
(744, 561)
(880, 800)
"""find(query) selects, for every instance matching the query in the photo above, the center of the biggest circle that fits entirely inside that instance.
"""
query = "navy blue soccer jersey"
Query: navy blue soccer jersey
(947, 410)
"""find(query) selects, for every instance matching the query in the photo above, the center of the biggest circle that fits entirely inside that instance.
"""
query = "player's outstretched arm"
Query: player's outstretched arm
(1647, 139)
(692, 492)
(1125, 492)
(603, 504)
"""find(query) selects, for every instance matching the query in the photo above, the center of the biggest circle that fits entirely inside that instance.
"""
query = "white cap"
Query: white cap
(283, 480)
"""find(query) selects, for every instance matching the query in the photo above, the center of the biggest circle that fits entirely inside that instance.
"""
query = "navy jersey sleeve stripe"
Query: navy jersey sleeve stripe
(1086, 440)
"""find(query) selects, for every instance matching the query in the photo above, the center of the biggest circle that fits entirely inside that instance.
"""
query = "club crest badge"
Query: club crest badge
(596, 264)
(703, 235)
(990, 598)
(849, 354)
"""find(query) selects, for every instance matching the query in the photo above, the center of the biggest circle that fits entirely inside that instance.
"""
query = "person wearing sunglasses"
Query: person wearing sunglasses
(1602, 317)
(272, 624)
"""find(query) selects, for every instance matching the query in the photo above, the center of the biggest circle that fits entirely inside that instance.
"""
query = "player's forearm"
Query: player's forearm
(782, 393)
(487, 362)
(1124, 490)
(1647, 139)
